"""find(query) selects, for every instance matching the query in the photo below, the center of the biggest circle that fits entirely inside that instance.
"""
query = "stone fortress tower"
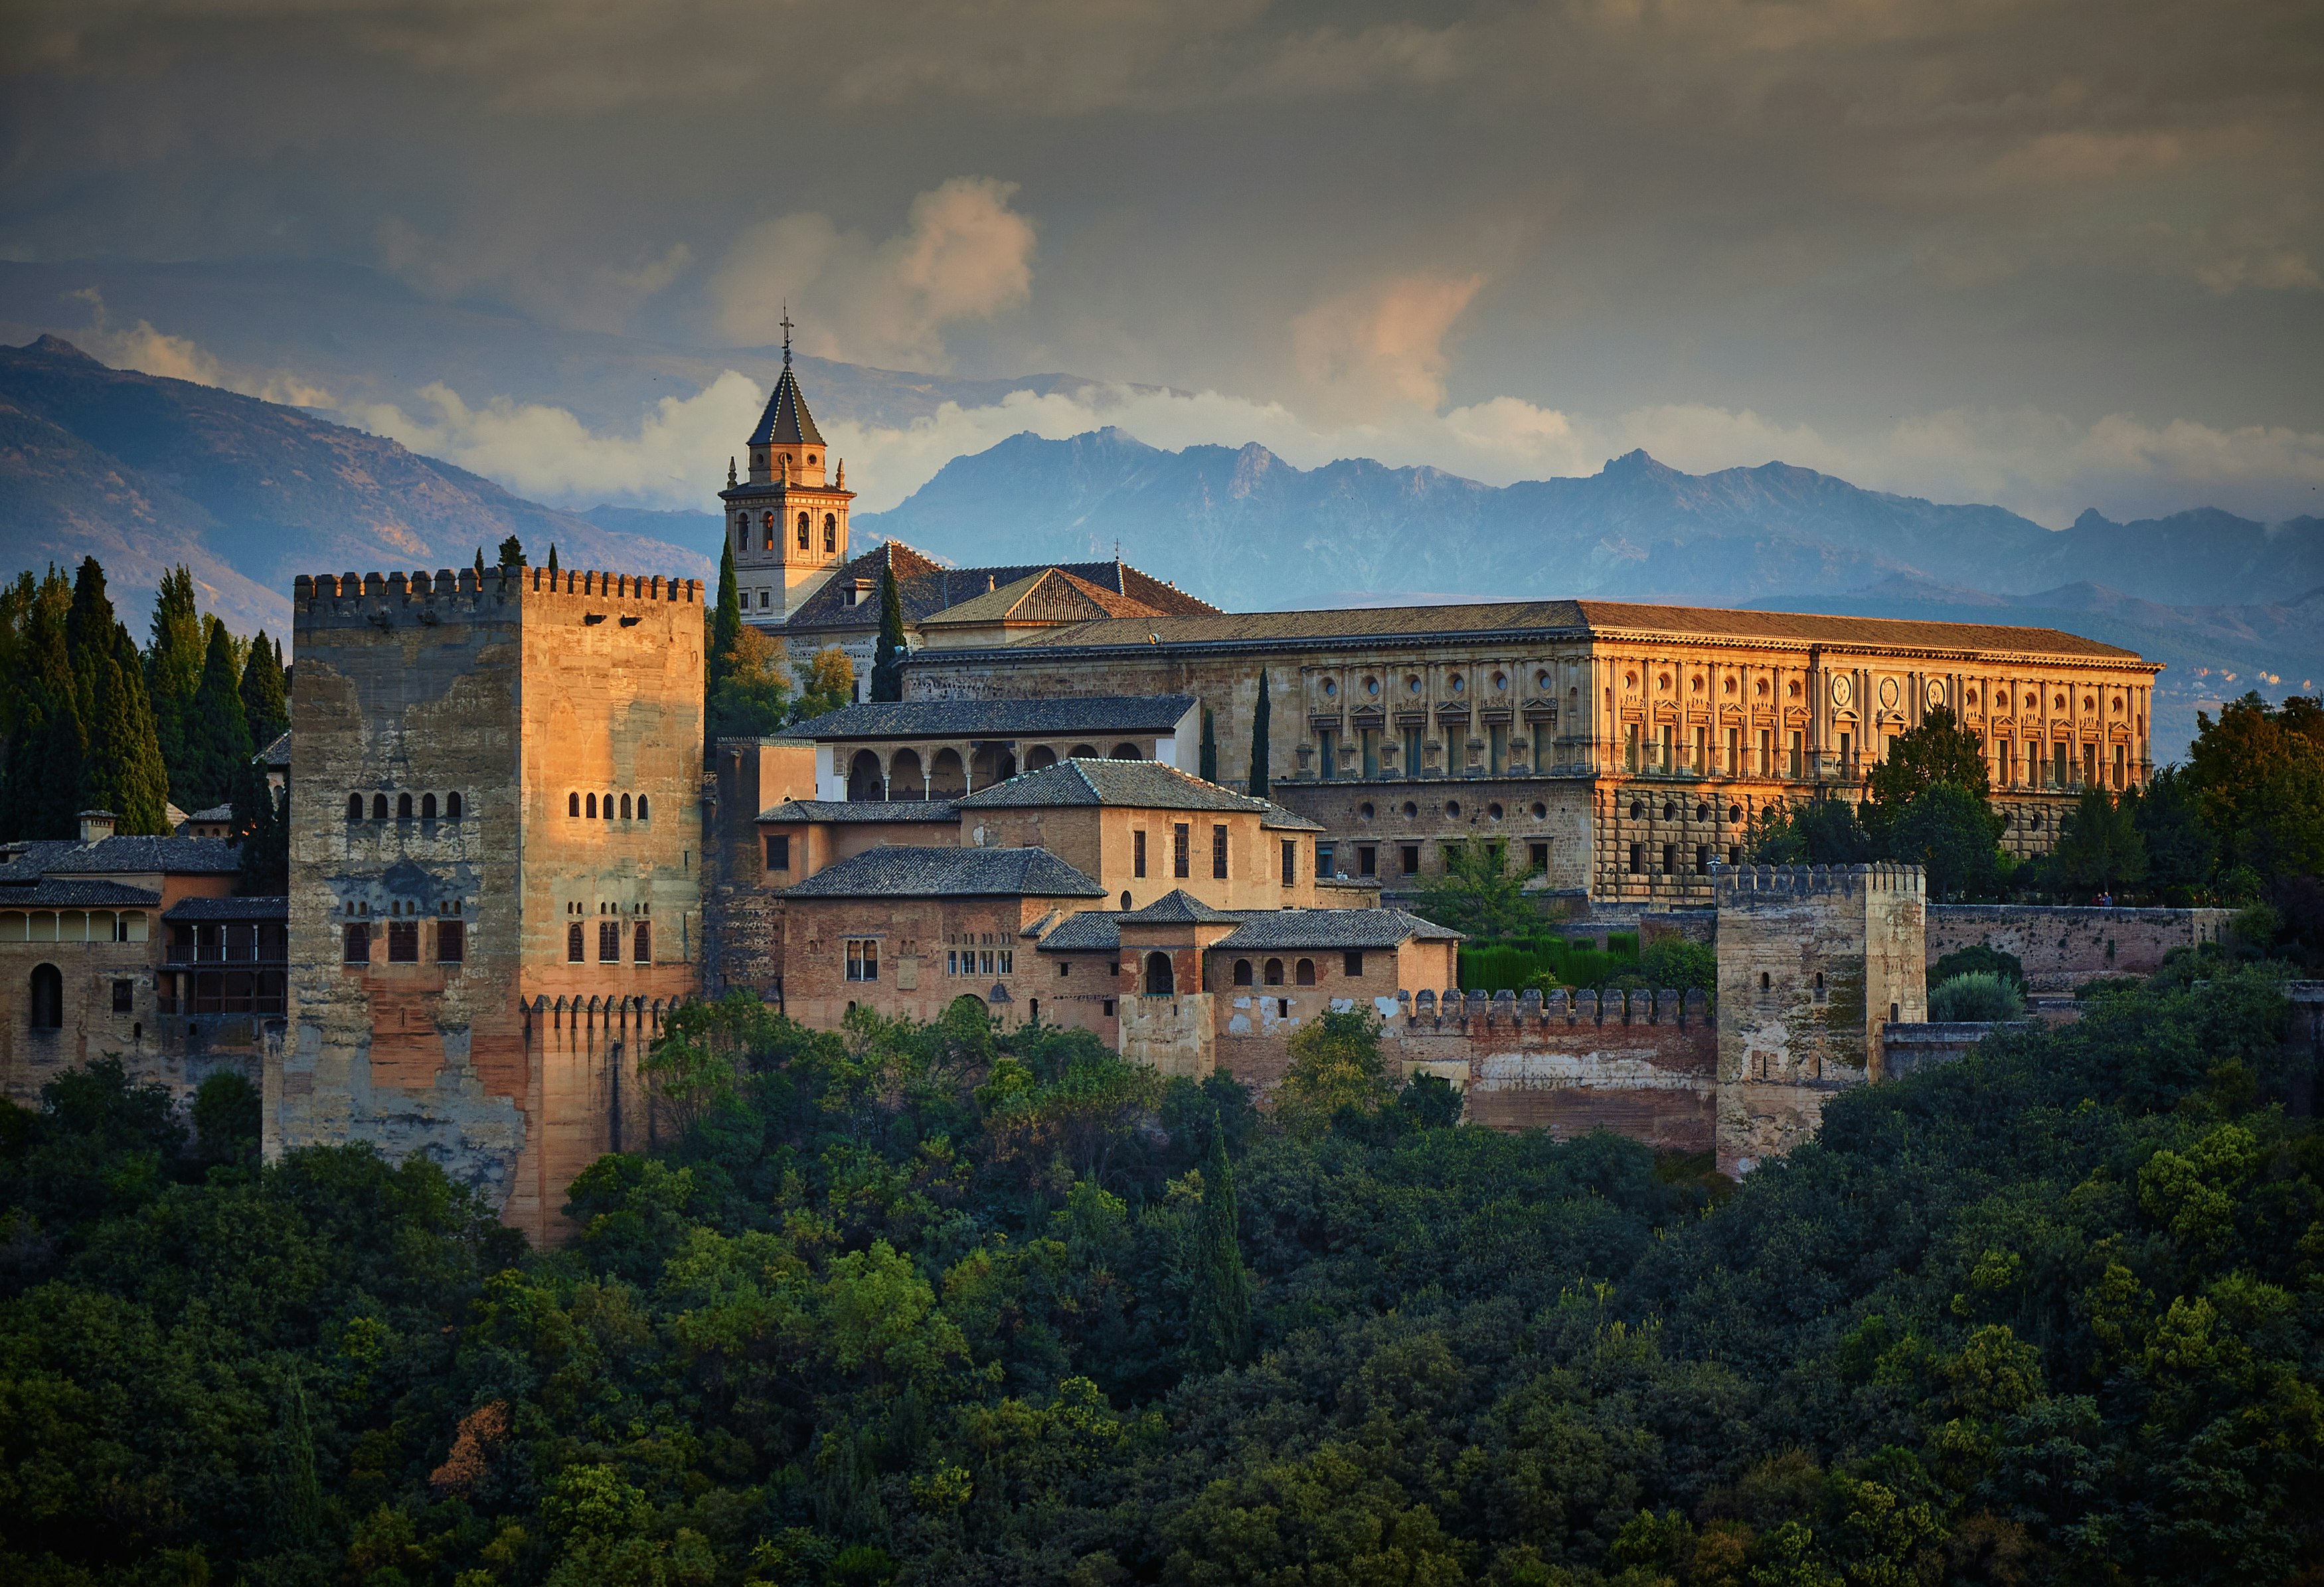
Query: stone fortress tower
(495, 867)
(1814, 963)
(787, 526)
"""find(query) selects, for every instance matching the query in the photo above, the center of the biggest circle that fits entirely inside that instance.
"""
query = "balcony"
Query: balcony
(223, 967)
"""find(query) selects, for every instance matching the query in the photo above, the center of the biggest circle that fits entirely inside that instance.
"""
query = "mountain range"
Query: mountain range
(145, 471)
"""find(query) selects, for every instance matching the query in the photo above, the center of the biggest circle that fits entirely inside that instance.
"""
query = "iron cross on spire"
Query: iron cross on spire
(786, 323)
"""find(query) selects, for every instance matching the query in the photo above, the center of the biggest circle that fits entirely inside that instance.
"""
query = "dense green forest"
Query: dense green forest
(931, 1304)
(89, 721)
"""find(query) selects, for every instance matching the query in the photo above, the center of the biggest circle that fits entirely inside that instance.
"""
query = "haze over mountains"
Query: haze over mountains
(145, 471)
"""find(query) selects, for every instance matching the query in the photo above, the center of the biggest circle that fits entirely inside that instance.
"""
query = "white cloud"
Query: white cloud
(152, 352)
(964, 254)
(1382, 346)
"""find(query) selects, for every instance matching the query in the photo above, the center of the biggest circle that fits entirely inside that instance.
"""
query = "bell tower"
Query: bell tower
(787, 518)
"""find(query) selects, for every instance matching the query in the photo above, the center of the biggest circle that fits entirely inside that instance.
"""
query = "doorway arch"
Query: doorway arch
(1161, 980)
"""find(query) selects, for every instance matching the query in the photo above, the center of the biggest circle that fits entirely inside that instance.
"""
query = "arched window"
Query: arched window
(403, 807)
(48, 999)
(1160, 980)
(355, 807)
(802, 531)
(625, 807)
(1125, 752)
(641, 807)
(427, 807)
(1242, 972)
(379, 807)
(1274, 972)
(573, 803)
(591, 811)
(451, 807)
(831, 531)
(1304, 973)
(608, 806)
(742, 531)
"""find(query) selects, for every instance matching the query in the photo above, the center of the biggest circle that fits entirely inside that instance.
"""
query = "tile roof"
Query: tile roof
(1138, 784)
(1052, 596)
(176, 856)
(925, 586)
(918, 873)
(253, 908)
(1097, 715)
(863, 810)
(215, 813)
(276, 754)
(1279, 820)
(785, 422)
(1090, 931)
(77, 895)
(26, 862)
(1332, 928)
(1577, 619)
(1179, 907)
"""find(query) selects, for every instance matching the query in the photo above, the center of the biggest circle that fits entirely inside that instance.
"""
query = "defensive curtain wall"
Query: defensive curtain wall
(1618, 748)
(495, 867)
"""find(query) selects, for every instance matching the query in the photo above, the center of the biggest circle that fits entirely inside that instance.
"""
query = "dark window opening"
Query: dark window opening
(403, 942)
(1243, 971)
(1351, 963)
(573, 803)
(641, 943)
(609, 942)
(427, 807)
(355, 807)
(354, 944)
(1410, 858)
(1290, 862)
(1537, 858)
(1182, 841)
(574, 947)
(1303, 974)
(451, 807)
(625, 807)
(779, 851)
(590, 808)
(608, 806)
(641, 807)
(1161, 980)
(48, 999)
(379, 807)
(1367, 860)
(1218, 853)
(1273, 974)
(403, 807)
(1138, 854)
(125, 994)
(451, 942)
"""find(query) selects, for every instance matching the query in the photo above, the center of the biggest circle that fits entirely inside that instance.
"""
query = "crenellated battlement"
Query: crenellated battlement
(497, 584)
(1744, 885)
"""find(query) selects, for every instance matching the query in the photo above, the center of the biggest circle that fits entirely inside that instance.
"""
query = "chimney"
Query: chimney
(96, 825)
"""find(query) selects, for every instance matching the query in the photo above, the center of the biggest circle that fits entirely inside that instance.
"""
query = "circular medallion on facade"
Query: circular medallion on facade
(1842, 689)
(1888, 694)
(1936, 692)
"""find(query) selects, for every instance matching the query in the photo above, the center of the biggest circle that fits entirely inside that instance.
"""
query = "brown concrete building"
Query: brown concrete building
(1615, 749)
(495, 866)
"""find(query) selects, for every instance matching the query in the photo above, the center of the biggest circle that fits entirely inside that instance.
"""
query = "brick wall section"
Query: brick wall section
(514, 1067)
(742, 922)
(2063, 946)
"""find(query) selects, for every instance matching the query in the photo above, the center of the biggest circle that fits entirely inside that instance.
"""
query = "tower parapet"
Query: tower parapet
(1739, 887)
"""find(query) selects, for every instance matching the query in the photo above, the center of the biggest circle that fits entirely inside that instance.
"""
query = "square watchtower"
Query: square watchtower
(496, 863)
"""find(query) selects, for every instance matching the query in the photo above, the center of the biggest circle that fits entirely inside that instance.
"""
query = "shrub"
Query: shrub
(1979, 960)
(1979, 996)
(1680, 961)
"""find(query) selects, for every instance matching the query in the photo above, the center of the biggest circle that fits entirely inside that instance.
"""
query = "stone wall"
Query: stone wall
(513, 1065)
(1907, 1049)
(1173, 1034)
(2061, 948)
(741, 921)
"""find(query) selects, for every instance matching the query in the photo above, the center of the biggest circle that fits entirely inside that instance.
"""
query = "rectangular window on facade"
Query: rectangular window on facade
(1138, 854)
(1323, 854)
(1411, 858)
(1847, 749)
(1412, 751)
(1702, 859)
(779, 851)
(2089, 762)
(124, 994)
(1497, 748)
(1798, 755)
(1290, 862)
(1368, 748)
(1182, 844)
(574, 952)
(1701, 751)
(1352, 964)
(1008, 961)
(984, 962)
(609, 942)
(1669, 750)
(2058, 757)
(952, 961)
(1541, 747)
(1734, 854)
(641, 943)
(1637, 858)
(1107, 1005)
(1733, 752)
(1766, 766)
(862, 958)
(1630, 747)
(2121, 760)
(1670, 859)
(403, 942)
(1327, 753)
(1367, 860)
(1538, 858)
(451, 942)
(1218, 853)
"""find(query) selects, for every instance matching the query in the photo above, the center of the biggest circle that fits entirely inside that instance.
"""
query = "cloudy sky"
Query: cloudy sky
(2054, 255)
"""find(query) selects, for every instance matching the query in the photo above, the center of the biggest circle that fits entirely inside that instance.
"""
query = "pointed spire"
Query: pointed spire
(730, 470)
(787, 335)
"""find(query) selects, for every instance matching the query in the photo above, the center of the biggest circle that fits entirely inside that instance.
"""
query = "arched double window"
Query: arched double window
(1304, 973)
(1242, 972)
(379, 807)
(403, 807)
(802, 531)
(573, 803)
(1274, 972)
(641, 807)
(831, 531)
(427, 807)
(355, 807)
(1161, 981)
(591, 811)
(767, 524)
(625, 807)
(47, 998)
(742, 531)
(451, 807)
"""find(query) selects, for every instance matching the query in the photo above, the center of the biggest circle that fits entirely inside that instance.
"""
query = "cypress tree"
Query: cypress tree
(552, 559)
(123, 770)
(173, 664)
(888, 660)
(1260, 760)
(512, 552)
(1209, 762)
(726, 624)
(264, 695)
(1220, 1334)
(220, 734)
(262, 819)
(480, 564)
(46, 745)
